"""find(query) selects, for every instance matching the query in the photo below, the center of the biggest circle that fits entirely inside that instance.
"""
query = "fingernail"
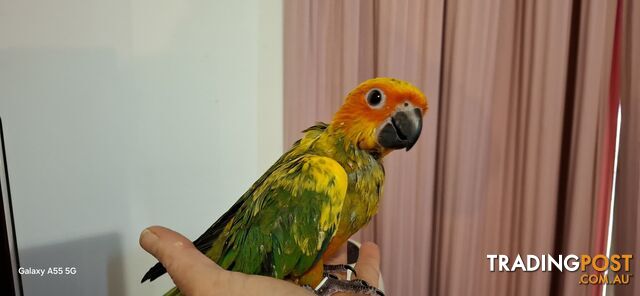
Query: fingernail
(147, 237)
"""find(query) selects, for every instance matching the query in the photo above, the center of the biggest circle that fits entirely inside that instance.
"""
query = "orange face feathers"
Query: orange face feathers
(382, 114)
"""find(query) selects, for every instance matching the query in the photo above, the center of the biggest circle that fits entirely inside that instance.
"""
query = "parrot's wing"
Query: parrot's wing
(286, 224)
(286, 173)
(205, 241)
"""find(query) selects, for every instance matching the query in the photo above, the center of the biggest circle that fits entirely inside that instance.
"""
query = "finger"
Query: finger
(190, 270)
(368, 266)
(263, 285)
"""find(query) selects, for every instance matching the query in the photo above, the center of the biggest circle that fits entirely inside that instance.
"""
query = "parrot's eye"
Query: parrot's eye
(375, 98)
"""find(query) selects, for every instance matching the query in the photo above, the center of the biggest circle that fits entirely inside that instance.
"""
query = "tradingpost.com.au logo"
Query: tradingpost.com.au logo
(592, 267)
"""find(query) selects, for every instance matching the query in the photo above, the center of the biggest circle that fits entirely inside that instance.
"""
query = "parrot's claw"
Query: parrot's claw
(330, 286)
(339, 268)
(307, 287)
(329, 275)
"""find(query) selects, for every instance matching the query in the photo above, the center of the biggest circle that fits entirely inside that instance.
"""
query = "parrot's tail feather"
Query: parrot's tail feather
(203, 243)
(153, 273)
(173, 292)
(206, 240)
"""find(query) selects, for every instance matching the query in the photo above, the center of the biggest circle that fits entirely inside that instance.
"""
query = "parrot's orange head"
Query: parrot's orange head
(382, 114)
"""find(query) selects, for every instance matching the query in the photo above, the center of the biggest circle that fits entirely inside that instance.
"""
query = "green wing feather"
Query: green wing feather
(284, 226)
(281, 226)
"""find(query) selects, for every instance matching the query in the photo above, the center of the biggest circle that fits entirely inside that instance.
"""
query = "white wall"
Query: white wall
(123, 114)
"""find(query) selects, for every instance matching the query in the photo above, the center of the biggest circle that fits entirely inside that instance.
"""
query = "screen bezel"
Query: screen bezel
(9, 261)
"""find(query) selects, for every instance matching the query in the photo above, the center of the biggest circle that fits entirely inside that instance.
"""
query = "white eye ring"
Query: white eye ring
(375, 98)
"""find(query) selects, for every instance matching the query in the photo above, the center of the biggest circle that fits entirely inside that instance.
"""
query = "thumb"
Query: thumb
(191, 271)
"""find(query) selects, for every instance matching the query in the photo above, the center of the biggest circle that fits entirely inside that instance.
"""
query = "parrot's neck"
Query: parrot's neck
(353, 142)
(335, 143)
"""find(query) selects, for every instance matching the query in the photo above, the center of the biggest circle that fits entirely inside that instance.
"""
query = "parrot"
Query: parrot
(319, 193)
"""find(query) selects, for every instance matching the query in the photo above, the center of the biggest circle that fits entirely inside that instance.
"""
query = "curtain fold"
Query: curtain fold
(510, 156)
(626, 225)
(403, 224)
(580, 196)
(329, 49)
(504, 90)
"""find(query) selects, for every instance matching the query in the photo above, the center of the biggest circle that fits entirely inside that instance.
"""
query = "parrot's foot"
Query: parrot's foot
(330, 275)
(330, 286)
(339, 268)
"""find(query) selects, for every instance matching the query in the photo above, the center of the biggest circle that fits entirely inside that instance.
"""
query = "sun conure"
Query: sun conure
(320, 192)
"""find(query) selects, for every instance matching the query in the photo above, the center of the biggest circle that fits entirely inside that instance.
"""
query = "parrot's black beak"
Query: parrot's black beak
(401, 130)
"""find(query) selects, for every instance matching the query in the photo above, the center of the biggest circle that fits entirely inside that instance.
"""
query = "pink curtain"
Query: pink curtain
(509, 159)
(626, 232)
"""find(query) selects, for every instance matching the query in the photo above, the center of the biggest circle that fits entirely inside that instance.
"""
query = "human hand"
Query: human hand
(195, 274)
